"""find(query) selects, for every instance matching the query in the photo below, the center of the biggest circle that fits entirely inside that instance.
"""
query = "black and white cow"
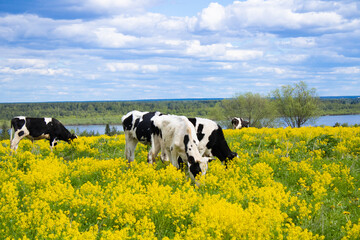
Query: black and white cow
(136, 126)
(38, 128)
(211, 139)
(176, 136)
(239, 123)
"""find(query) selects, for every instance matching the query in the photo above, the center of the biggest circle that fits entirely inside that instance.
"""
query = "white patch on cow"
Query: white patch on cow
(174, 129)
(47, 120)
(21, 117)
(15, 141)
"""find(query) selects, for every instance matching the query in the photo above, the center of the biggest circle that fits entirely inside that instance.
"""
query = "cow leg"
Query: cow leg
(18, 135)
(154, 151)
(174, 157)
(130, 145)
(53, 142)
(156, 146)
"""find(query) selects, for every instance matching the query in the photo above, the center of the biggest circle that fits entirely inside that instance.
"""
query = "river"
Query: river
(321, 121)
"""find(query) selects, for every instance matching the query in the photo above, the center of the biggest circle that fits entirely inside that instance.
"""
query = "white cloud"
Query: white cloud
(277, 16)
(212, 17)
(221, 51)
(44, 71)
(347, 70)
(19, 66)
(300, 42)
(109, 37)
(275, 70)
(134, 67)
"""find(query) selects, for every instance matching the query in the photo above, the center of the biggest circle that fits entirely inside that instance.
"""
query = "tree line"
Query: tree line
(293, 105)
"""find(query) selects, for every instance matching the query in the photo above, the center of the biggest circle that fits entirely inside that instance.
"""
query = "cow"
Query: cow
(176, 136)
(38, 128)
(211, 139)
(136, 126)
(239, 123)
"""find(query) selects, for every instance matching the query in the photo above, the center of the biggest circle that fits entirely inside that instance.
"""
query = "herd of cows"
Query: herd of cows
(181, 140)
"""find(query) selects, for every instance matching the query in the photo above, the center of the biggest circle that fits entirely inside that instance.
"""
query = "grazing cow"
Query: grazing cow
(176, 136)
(38, 128)
(136, 126)
(239, 123)
(211, 139)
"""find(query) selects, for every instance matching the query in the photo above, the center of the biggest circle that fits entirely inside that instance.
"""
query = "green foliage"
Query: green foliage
(325, 142)
(256, 108)
(338, 106)
(296, 104)
(110, 132)
(4, 132)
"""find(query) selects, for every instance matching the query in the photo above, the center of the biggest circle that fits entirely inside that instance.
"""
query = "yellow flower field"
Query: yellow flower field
(286, 184)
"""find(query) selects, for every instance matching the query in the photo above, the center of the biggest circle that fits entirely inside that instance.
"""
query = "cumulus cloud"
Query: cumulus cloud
(277, 16)
(212, 17)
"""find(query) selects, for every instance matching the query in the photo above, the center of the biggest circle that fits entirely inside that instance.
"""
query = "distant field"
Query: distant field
(286, 184)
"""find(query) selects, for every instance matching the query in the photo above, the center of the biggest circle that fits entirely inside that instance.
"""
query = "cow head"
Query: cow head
(197, 166)
(72, 136)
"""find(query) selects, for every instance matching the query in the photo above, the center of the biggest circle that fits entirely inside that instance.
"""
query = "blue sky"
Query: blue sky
(93, 50)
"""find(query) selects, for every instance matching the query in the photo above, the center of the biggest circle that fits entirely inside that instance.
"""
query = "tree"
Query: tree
(107, 129)
(296, 104)
(257, 109)
(4, 132)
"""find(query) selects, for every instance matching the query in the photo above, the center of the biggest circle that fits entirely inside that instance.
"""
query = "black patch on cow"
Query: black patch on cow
(234, 122)
(17, 123)
(127, 123)
(21, 133)
(136, 122)
(156, 131)
(186, 141)
(143, 128)
(199, 133)
(191, 159)
(37, 127)
(193, 121)
(218, 145)
(195, 169)
(181, 163)
(244, 123)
